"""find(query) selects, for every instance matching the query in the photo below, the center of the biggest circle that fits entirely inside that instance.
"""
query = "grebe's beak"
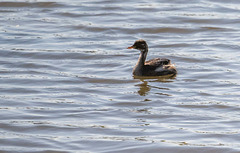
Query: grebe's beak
(132, 47)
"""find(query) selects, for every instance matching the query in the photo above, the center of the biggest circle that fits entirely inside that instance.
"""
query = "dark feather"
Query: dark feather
(158, 62)
(162, 65)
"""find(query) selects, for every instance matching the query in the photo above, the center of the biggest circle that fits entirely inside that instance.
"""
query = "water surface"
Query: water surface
(67, 85)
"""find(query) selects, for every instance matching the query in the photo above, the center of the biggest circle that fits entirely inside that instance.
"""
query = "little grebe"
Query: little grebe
(153, 67)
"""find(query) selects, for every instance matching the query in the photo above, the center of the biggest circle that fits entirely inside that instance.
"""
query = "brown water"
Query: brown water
(67, 86)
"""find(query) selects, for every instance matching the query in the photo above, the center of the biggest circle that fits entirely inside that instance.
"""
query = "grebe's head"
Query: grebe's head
(140, 45)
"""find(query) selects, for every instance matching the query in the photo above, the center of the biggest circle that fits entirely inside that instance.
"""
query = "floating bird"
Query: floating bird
(153, 67)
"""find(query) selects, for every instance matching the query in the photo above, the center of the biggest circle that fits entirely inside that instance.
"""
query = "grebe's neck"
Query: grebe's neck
(138, 69)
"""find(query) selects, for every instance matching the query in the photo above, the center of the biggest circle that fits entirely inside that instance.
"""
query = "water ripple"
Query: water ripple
(67, 85)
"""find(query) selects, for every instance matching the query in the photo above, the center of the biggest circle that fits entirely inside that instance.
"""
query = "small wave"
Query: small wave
(30, 4)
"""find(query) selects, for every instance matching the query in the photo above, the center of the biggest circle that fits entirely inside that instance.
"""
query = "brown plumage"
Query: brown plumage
(153, 67)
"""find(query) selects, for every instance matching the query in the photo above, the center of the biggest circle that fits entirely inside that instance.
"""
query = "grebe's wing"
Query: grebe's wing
(156, 62)
(159, 66)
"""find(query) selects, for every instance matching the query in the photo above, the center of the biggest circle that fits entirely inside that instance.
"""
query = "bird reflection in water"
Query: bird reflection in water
(144, 87)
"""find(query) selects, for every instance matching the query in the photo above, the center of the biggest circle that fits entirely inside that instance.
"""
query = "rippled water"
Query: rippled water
(67, 84)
